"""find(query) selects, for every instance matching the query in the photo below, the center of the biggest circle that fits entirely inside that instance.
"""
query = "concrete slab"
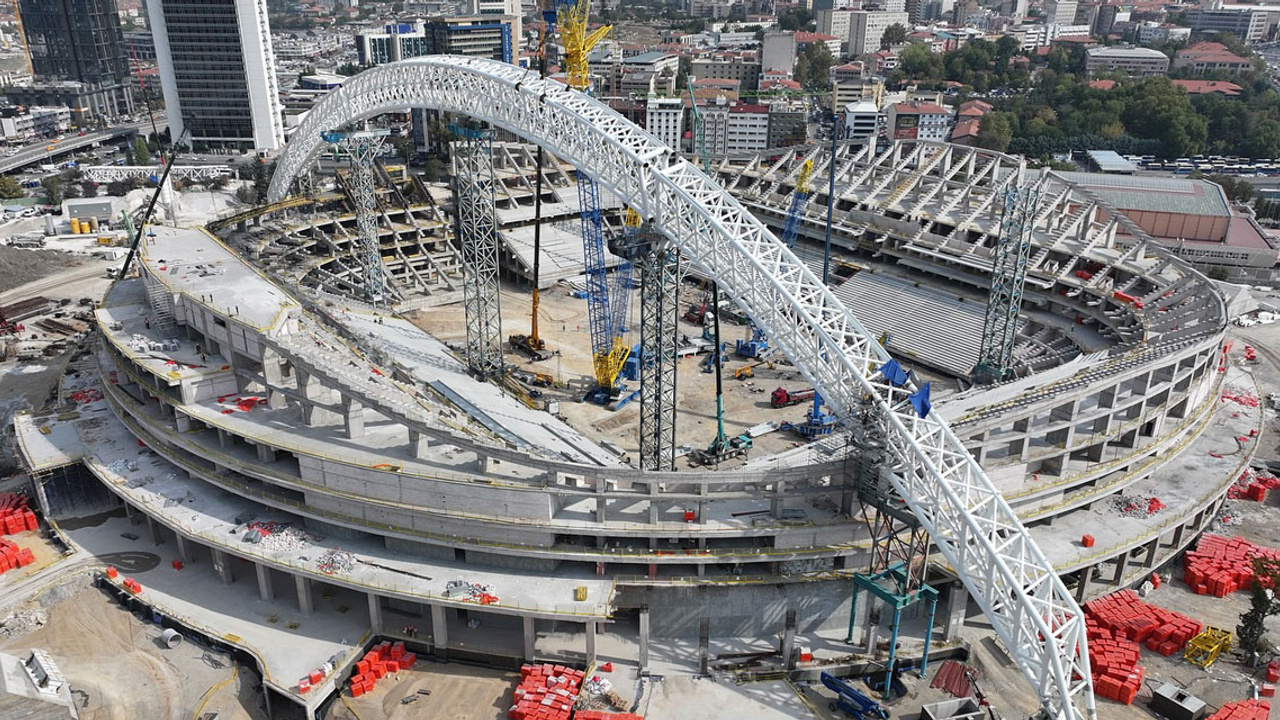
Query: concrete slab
(680, 698)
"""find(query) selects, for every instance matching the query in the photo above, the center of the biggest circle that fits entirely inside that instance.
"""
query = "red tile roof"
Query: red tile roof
(919, 109)
(1102, 84)
(809, 37)
(1205, 87)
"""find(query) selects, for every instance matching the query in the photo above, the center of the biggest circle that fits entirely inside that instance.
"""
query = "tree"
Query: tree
(247, 195)
(1236, 190)
(349, 69)
(813, 66)
(1264, 141)
(88, 188)
(1251, 633)
(262, 178)
(995, 131)
(54, 189)
(895, 34)
(10, 188)
(434, 170)
(141, 153)
(404, 147)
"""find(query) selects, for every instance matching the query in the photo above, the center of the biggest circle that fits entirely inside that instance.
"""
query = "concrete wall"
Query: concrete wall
(745, 610)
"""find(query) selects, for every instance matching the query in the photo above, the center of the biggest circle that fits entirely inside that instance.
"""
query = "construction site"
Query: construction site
(595, 430)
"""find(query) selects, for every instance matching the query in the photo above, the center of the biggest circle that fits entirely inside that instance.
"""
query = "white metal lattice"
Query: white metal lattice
(973, 527)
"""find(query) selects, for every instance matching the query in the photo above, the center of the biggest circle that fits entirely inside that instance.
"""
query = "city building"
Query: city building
(918, 121)
(395, 42)
(1208, 57)
(1244, 21)
(745, 70)
(837, 23)
(664, 117)
(475, 35)
(1060, 12)
(867, 28)
(748, 128)
(139, 45)
(1209, 87)
(1038, 36)
(1132, 61)
(508, 10)
(79, 41)
(218, 72)
(833, 43)
(862, 120)
(1154, 33)
(788, 123)
(778, 51)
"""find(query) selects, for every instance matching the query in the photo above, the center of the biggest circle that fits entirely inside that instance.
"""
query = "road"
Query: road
(39, 153)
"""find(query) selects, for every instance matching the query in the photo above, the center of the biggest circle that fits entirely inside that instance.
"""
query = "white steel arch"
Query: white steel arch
(967, 518)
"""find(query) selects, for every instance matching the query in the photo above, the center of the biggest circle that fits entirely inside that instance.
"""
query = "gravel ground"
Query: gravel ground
(19, 266)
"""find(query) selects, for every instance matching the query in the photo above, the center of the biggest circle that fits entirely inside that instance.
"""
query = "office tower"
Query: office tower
(79, 42)
(218, 72)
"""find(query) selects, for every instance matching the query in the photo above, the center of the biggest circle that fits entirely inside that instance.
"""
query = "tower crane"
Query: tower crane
(606, 305)
(798, 198)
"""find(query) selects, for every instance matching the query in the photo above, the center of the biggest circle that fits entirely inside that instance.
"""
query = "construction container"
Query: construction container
(93, 224)
(75, 226)
(171, 638)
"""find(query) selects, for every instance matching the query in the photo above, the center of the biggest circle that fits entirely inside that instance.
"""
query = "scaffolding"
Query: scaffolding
(362, 149)
(1008, 276)
(659, 308)
(478, 245)
(900, 546)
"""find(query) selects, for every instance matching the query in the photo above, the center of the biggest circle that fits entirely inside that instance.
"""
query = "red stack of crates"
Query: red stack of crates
(546, 692)
(1220, 566)
(14, 515)
(132, 585)
(604, 715)
(382, 659)
(1127, 616)
(1243, 710)
(12, 556)
(1273, 671)
(1116, 672)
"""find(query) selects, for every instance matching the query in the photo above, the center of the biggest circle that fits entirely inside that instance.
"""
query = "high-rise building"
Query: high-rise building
(664, 117)
(477, 35)
(398, 41)
(778, 51)
(511, 9)
(867, 27)
(1060, 12)
(79, 41)
(218, 72)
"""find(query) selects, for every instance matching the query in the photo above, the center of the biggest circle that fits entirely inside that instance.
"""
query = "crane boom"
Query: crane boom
(798, 198)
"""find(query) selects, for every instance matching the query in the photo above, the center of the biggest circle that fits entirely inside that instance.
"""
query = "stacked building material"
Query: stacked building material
(14, 515)
(605, 715)
(1116, 624)
(1220, 565)
(546, 692)
(1253, 486)
(1127, 617)
(12, 556)
(953, 677)
(1243, 710)
(382, 659)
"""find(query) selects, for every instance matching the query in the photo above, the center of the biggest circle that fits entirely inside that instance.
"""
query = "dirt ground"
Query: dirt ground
(563, 325)
(458, 692)
(19, 266)
(115, 664)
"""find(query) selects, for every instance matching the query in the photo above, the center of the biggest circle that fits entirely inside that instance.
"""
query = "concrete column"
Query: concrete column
(1082, 586)
(954, 611)
(601, 503)
(418, 443)
(128, 513)
(530, 637)
(375, 612)
(266, 453)
(1177, 535)
(306, 604)
(591, 641)
(354, 418)
(440, 630)
(1152, 546)
(643, 656)
(484, 464)
(184, 550)
(222, 566)
(156, 537)
(182, 422)
(266, 590)
(789, 639)
(225, 439)
(1122, 564)
(704, 645)
(779, 490)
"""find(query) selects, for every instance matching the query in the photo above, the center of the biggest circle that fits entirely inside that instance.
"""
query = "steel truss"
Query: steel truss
(363, 150)
(478, 246)
(659, 308)
(1008, 278)
(972, 526)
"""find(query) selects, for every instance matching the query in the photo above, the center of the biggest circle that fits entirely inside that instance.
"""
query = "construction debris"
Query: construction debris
(1253, 485)
(1137, 506)
(336, 561)
(19, 624)
(1220, 566)
(471, 592)
(954, 677)
(1242, 397)
(279, 537)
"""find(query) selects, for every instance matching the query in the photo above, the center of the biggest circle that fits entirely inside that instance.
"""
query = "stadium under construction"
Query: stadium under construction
(268, 369)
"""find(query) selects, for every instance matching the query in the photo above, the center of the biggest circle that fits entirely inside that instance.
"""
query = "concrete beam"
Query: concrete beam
(266, 590)
(954, 612)
(789, 640)
(306, 603)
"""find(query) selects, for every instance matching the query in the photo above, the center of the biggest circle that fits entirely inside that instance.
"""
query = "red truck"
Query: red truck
(783, 397)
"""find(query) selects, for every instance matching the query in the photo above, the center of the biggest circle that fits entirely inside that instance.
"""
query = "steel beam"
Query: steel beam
(659, 308)
(478, 245)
